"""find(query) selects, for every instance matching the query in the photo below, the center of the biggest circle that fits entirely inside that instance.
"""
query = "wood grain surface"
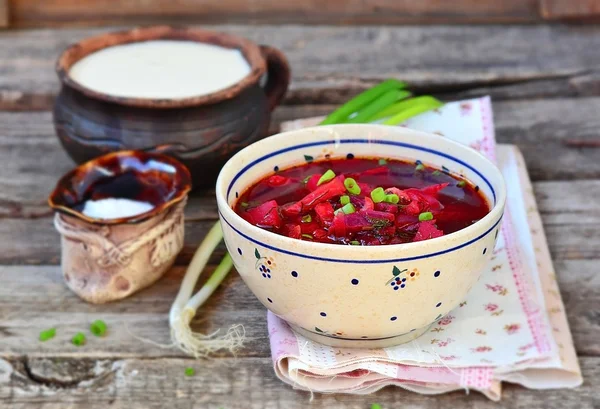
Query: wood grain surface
(32, 13)
(545, 85)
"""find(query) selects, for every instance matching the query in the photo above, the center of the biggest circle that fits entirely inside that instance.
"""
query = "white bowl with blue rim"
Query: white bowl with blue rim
(342, 295)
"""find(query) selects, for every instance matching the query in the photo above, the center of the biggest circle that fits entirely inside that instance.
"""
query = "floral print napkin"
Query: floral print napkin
(512, 326)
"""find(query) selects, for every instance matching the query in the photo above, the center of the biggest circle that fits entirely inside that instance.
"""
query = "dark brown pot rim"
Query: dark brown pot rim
(183, 187)
(77, 51)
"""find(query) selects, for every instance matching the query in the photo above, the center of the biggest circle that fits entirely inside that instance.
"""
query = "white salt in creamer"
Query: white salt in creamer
(115, 208)
(161, 69)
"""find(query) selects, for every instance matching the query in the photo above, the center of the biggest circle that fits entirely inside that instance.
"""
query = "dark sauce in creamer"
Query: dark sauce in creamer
(450, 204)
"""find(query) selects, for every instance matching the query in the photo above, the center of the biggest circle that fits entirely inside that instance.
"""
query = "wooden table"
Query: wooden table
(545, 84)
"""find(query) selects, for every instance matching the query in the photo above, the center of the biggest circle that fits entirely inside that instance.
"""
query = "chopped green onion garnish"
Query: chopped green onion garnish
(78, 339)
(244, 204)
(378, 195)
(355, 243)
(307, 236)
(47, 334)
(352, 186)
(425, 216)
(344, 200)
(98, 328)
(376, 406)
(190, 371)
(327, 176)
(307, 218)
(393, 198)
(420, 167)
(436, 173)
(382, 162)
(305, 180)
(348, 208)
(462, 183)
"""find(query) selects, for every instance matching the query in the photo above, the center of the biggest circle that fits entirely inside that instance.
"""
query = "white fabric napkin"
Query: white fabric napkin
(512, 326)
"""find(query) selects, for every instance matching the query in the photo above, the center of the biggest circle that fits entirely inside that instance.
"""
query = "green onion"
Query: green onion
(425, 216)
(344, 200)
(98, 328)
(327, 176)
(307, 218)
(382, 162)
(190, 371)
(436, 173)
(355, 243)
(414, 107)
(244, 204)
(420, 167)
(401, 106)
(305, 180)
(362, 99)
(378, 195)
(348, 208)
(462, 183)
(376, 406)
(47, 334)
(307, 236)
(375, 106)
(78, 339)
(393, 198)
(352, 186)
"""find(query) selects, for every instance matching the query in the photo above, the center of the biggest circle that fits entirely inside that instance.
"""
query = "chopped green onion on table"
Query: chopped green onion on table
(388, 101)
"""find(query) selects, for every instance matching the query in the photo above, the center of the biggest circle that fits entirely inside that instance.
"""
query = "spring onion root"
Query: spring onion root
(185, 306)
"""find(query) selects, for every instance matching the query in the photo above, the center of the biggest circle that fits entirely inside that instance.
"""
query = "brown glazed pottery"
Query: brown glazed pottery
(108, 259)
(202, 132)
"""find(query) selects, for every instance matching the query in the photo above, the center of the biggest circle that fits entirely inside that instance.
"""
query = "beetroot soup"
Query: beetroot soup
(359, 201)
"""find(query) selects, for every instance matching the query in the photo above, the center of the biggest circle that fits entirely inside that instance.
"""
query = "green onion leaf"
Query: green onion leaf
(355, 243)
(436, 173)
(244, 204)
(372, 108)
(307, 236)
(393, 198)
(413, 107)
(425, 216)
(378, 195)
(78, 339)
(348, 208)
(382, 162)
(344, 200)
(420, 167)
(305, 180)
(376, 406)
(327, 176)
(189, 371)
(98, 328)
(342, 113)
(307, 218)
(47, 334)
(352, 186)
(462, 183)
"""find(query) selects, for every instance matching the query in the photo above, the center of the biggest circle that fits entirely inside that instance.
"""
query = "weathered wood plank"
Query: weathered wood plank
(569, 10)
(572, 224)
(4, 14)
(28, 290)
(31, 13)
(333, 63)
(241, 384)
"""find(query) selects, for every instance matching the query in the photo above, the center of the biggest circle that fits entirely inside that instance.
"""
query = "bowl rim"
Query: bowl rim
(138, 218)
(493, 218)
(75, 52)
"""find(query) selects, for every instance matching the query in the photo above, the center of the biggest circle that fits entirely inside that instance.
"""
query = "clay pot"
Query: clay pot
(109, 259)
(202, 132)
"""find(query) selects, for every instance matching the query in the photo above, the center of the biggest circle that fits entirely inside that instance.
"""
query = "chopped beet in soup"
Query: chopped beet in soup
(362, 201)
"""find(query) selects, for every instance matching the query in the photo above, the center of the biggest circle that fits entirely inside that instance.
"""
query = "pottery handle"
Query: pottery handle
(278, 75)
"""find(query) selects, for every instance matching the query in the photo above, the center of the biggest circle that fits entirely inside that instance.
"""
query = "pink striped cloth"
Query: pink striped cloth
(512, 326)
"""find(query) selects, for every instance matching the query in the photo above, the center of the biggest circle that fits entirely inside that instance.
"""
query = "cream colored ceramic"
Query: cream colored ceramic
(347, 295)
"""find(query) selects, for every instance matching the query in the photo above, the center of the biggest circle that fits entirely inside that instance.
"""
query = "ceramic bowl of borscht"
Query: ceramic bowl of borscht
(360, 235)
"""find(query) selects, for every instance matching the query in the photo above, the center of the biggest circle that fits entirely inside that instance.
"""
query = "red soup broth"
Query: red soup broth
(362, 201)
